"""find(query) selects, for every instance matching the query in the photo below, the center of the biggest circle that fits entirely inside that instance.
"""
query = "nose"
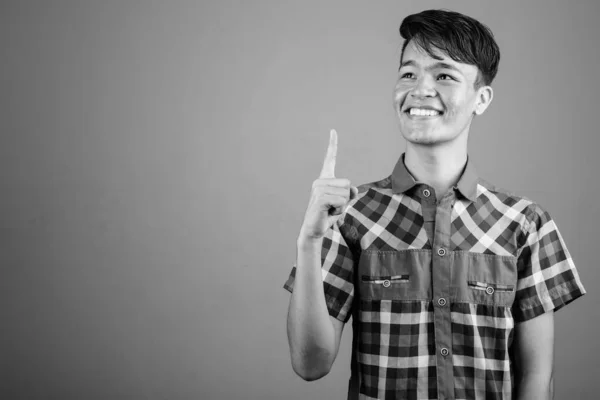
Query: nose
(424, 87)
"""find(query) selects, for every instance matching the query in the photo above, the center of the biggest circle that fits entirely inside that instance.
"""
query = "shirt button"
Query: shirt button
(386, 283)
(444, 351)
(442, 301)
(426, 193)
(489, 290)
(442, 252)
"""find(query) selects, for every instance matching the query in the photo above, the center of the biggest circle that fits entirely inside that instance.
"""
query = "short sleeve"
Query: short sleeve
(547, 277)
(337, 270)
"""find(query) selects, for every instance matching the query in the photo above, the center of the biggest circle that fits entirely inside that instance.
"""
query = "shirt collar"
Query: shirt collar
(402, 180)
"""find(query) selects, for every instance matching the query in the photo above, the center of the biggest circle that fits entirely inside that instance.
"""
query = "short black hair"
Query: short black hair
(462, 38)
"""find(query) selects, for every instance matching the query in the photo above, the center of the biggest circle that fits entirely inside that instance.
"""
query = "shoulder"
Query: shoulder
(368, 194)
(383, 185)
(373, 191)
(532, 214)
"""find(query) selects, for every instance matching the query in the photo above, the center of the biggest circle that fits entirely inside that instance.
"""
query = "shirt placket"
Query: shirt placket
(439, 216)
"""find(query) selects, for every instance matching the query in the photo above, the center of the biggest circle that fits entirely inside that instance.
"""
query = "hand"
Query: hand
(328, 198)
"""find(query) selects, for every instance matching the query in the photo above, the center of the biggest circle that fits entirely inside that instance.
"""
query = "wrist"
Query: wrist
(307, 243)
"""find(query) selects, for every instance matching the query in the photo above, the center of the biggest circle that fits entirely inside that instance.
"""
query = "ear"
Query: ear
(485, 94)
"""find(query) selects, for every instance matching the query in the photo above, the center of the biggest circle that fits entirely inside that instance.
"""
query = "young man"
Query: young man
(451, 282)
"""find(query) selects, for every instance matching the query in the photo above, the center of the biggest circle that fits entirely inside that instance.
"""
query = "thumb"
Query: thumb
(353, 192)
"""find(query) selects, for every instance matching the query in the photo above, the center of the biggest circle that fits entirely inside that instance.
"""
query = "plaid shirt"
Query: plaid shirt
(435, 287)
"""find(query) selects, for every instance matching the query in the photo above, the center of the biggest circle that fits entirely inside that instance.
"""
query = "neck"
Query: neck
(438, 166)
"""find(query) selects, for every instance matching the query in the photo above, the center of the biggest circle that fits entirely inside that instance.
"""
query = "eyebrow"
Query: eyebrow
(437, 65)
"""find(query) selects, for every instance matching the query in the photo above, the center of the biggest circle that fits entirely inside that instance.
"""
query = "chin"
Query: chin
(423, 141)
(420, 137)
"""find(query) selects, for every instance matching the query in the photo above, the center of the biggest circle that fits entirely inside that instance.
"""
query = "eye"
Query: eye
(407, 75)
(445, 77)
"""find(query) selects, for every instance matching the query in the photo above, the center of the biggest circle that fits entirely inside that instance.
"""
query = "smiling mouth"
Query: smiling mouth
(422, 112)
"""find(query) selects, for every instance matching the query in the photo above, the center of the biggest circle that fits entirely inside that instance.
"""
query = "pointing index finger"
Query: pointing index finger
(328, 170)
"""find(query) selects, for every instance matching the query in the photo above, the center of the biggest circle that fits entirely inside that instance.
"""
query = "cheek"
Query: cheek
(398, 101)
(457, 107)
(400, 92)
(398, 95)
(462, 102)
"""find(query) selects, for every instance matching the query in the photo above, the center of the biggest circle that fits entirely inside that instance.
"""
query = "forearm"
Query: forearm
(311, 334)
(535, 387)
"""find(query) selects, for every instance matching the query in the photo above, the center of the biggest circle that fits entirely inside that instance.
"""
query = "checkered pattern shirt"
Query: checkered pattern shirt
(435, 287)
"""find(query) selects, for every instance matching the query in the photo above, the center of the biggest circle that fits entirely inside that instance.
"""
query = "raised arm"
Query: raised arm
(313, 335)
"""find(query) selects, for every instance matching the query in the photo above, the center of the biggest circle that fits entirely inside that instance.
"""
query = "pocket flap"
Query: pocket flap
(395, 275)
(491, 279)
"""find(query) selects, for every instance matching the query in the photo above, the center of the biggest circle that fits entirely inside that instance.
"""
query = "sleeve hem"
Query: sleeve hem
(337, 314)
(555, 303)
(334, 308)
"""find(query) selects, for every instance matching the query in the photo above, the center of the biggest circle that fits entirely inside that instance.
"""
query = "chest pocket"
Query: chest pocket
(490, 280)
(394, 275)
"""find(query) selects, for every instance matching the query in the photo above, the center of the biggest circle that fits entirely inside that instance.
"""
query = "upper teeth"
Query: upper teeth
(421, 111)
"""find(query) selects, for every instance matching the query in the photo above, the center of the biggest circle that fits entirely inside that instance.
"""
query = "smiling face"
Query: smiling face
(435, 99)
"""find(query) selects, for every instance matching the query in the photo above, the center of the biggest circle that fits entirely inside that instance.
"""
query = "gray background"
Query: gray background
(156, 161)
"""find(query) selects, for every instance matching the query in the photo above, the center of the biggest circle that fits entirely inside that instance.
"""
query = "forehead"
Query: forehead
(416, 56)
